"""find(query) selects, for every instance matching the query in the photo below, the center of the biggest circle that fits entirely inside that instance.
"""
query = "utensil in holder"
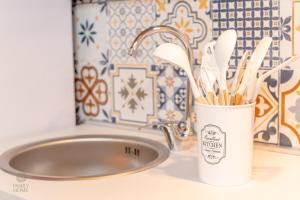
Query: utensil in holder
(225, 143)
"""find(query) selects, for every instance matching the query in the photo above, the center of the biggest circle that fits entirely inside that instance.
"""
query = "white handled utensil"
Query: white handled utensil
(209, 71)
(239, 73)
(251, 68)
(223, 50)
(201, 86)
(267, 74)
(174, 54)
(254, 64)
(208, 77)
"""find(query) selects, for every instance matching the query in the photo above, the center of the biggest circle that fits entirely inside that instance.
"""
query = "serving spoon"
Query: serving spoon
(175, 55)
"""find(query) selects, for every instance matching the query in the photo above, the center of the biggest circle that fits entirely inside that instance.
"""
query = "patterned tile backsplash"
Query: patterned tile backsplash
(113, 87)
(133, 94)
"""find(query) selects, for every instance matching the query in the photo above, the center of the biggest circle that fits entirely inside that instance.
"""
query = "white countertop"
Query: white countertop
(275, 176)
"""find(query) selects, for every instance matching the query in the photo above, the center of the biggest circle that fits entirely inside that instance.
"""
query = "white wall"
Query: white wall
(36, 67)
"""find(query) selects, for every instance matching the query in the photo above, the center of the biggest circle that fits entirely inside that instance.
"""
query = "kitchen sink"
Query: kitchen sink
(83, 157)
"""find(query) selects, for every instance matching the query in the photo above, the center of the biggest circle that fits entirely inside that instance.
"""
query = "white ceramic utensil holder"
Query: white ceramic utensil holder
(225, 143)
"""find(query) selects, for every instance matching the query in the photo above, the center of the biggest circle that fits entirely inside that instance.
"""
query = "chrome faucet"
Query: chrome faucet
(175, 135)
(176, 138)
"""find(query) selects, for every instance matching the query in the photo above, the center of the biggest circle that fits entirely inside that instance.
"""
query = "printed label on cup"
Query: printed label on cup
(213, 144)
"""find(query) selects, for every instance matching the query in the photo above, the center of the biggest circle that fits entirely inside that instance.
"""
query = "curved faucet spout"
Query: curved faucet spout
(162, 29)
(185, 42)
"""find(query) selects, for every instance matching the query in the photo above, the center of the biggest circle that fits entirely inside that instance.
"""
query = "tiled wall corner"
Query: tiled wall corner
(103, 31)
(92, 93)
(92, 62)
(90, 32)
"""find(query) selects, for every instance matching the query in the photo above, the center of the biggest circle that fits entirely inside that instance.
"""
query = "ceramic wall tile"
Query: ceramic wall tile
(286, 29)
(92, 93)
(126, 20)
(90, 32)
(252, 20)
(92, 61)
(296, 27)
(190, 17)
(290, 107)
(134, 97)
(266, 111)
(171, 83)
(289, 78)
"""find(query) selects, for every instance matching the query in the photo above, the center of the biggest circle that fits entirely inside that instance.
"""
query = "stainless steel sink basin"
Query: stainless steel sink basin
(82, 157)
